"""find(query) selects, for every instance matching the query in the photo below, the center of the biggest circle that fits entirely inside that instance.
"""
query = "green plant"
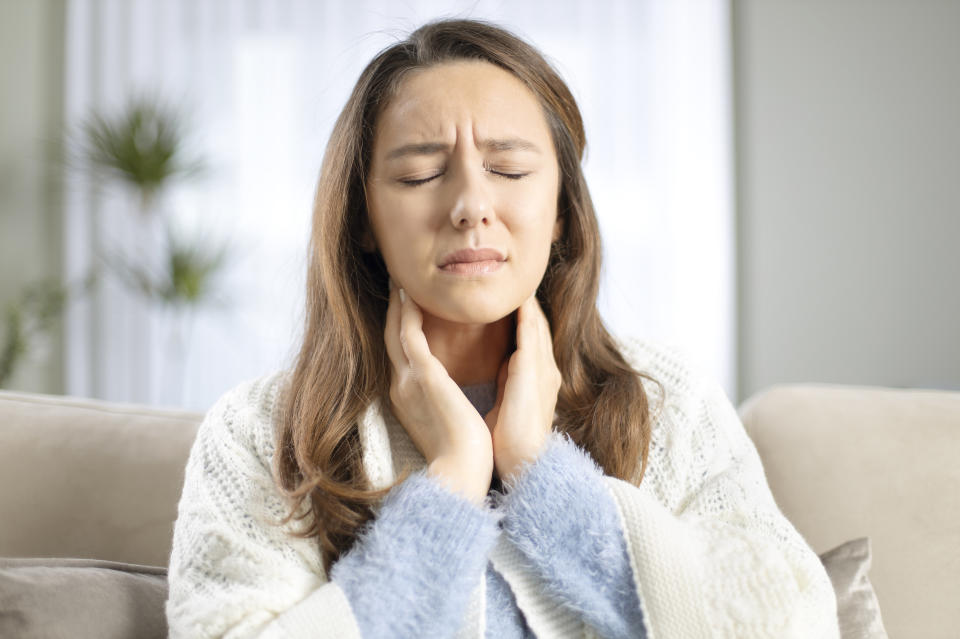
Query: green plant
(186, 277)
(32, 313)
(143, 146)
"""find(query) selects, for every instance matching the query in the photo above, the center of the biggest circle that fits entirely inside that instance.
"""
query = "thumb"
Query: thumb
(502, 377)
(493, 415)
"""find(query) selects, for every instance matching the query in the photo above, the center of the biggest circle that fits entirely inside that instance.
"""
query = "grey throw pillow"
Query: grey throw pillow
(857, 606)
(81, 598)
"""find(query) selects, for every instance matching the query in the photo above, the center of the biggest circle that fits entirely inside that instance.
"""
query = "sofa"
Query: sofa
(89, 492)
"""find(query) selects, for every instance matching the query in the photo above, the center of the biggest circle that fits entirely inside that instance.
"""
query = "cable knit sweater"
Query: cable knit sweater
(710, 554)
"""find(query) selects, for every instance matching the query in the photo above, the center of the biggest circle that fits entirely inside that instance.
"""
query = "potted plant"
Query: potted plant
(144, 149)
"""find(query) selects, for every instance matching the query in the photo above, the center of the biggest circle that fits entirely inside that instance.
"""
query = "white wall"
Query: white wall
(848, 136)
(31, 81)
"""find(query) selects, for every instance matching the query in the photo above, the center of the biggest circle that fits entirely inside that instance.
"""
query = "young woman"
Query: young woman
(467, 451)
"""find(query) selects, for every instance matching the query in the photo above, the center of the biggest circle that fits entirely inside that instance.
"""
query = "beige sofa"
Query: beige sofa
(90, 479)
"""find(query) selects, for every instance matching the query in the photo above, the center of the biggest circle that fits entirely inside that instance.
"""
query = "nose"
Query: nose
(472, 204)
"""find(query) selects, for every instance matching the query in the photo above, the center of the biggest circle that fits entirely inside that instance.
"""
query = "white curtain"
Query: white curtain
(263, 81)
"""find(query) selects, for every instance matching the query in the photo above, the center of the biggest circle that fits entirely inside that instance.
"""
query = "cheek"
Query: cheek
(534, 202)
(533, 239)
(399, 233)
(399, 246)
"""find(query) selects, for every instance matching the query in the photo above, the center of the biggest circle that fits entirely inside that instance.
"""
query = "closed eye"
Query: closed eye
(418, 182)
(509, 176)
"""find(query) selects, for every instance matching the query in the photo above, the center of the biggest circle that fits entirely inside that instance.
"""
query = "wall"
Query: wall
(848, 201)
(848, 145)
(31, 77)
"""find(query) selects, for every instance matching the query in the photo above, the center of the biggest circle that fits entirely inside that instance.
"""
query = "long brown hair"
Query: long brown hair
(343, 365)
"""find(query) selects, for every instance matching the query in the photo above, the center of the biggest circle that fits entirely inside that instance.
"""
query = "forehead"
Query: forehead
(437, 102)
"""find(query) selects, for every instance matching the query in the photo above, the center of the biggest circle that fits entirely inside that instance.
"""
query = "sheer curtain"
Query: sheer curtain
(263, 82)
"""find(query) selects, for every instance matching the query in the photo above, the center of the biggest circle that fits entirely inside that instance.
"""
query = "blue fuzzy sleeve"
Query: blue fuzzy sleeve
(411, 571)
(559, 515)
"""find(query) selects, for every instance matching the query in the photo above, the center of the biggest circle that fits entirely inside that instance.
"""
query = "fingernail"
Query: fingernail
(403, 296)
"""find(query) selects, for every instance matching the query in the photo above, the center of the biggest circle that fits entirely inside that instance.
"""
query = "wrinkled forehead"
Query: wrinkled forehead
(438, 102)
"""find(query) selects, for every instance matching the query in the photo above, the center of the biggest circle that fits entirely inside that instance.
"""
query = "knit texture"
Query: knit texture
(503, 618)
(405, 575)
(232, 573)
(558, 513)
(710, 553)
(412, 571)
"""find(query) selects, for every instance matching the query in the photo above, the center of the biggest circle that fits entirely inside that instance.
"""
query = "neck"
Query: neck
(471, 353)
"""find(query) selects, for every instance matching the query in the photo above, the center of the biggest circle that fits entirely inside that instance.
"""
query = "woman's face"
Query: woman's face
(463, 159)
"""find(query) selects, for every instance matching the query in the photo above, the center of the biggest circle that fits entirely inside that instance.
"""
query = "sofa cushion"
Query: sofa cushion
(81, 598)
(86, 478)
(857, 605)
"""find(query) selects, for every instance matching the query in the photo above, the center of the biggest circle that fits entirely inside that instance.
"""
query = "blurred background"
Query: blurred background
(777, 182)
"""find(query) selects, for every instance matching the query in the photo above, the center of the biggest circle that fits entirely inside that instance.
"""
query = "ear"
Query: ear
(558, 228)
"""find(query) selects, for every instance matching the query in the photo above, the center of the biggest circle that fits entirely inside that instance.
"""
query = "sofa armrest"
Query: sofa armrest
(854, 461)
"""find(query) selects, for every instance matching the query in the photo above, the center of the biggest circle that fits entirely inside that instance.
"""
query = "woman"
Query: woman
(469, 450)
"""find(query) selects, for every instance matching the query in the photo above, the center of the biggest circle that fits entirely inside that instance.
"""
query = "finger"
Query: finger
(502, 378)
(548, 358)
(539, 319)
(546, 333)
(493, 414)
(412, 339)
(391, 334)
(536, 335)
(536, 312)
(526, 325)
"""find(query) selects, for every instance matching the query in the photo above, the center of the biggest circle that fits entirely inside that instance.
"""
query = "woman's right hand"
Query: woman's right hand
(443, 424)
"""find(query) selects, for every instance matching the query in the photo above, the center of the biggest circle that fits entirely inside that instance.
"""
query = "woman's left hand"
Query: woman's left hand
(527, 386)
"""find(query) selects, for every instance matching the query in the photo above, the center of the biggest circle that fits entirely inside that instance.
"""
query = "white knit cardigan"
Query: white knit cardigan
(712, 555)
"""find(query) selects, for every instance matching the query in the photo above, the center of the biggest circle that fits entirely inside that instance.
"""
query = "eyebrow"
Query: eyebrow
(429, 148)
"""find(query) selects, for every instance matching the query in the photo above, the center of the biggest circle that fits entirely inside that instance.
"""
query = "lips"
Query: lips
(472, 255)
